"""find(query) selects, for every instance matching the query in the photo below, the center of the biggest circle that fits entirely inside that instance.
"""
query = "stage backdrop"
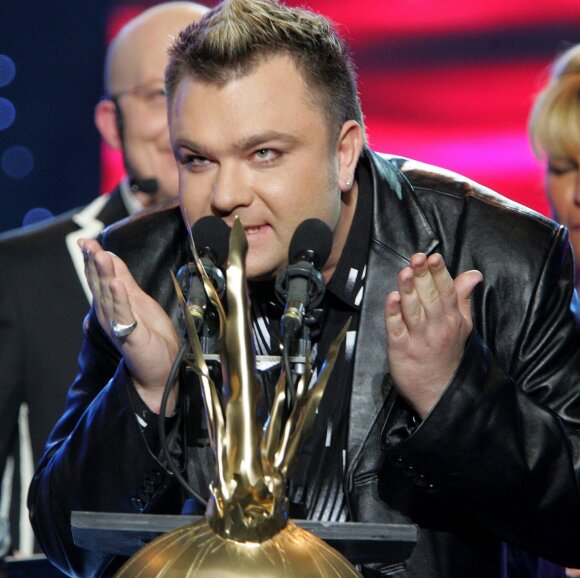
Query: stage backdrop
(447, 82)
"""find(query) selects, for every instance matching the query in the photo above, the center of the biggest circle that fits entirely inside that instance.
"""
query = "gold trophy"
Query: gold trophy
(246, 530)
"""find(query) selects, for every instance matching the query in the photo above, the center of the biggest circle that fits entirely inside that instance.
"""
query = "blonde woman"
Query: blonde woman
(555, 137)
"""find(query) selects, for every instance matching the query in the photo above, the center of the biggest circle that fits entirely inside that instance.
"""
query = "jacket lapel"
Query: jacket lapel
(91, 220)
(400, 228)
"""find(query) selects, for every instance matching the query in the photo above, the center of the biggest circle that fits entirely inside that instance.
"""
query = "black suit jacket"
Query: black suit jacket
(43, 301)
(496, 460)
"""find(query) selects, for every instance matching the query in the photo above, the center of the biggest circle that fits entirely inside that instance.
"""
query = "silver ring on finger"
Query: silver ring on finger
(121, 330)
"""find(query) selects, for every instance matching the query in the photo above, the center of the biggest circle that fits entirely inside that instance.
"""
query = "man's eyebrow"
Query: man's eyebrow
(243, 145)
(261, 138)
(190, 145)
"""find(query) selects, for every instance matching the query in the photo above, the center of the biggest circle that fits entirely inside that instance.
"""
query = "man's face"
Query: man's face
(563, 190)
(144, 111)
(256, 147)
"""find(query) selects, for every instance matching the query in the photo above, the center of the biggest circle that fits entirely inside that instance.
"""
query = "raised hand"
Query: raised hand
(150, 348)
(428, 322)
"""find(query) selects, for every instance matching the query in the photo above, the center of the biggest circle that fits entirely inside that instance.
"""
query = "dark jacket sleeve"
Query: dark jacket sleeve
(104, 453)
(503, 443)
(11, 360)
(100, 457)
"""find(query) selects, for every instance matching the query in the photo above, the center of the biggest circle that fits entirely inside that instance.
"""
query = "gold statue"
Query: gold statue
(246, 531)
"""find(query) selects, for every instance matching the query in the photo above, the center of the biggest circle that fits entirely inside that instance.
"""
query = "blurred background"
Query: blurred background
(448, 82)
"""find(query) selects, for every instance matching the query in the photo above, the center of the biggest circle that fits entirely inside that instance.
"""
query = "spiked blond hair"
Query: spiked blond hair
(234, 37)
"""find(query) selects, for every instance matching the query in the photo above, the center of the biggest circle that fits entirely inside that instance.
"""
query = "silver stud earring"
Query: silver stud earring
(348, 182)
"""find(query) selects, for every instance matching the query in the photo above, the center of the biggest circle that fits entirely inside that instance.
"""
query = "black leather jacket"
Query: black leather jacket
(497, 459)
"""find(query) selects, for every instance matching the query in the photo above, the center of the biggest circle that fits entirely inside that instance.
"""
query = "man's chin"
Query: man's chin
(260, 274)
(261, 278)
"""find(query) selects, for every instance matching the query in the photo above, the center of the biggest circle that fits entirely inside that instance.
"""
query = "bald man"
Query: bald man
(133, 116)
(43, 292)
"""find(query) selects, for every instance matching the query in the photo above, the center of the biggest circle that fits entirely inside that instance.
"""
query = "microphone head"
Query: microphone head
(212, 239)
(147, 186)
(312, 242)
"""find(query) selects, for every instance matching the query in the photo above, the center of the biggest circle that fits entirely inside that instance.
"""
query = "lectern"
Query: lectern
(360, 543)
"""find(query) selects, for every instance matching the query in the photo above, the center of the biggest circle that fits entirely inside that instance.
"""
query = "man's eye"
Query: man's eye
(193, 161)
(156, 96)
(265, 154)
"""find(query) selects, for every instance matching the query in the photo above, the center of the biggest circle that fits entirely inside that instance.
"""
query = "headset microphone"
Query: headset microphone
(147, 186)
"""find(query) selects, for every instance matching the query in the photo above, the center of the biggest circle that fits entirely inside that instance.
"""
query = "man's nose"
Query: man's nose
(230, 189)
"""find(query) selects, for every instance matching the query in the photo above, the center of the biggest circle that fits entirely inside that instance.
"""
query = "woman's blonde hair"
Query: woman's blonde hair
(554, 123)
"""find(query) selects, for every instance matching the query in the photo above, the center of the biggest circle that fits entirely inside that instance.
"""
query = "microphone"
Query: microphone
(147, 186)
(211, 238)
(301, 286)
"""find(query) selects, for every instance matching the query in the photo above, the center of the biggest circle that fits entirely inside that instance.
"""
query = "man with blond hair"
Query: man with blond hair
(455, 405)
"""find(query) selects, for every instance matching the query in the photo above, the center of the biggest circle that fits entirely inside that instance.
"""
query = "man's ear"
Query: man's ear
(107, 123)
(349, 147)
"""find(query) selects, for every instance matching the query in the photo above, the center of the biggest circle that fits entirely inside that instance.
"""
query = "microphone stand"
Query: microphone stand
(208, 330)
(299, 317)
(296, 351)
